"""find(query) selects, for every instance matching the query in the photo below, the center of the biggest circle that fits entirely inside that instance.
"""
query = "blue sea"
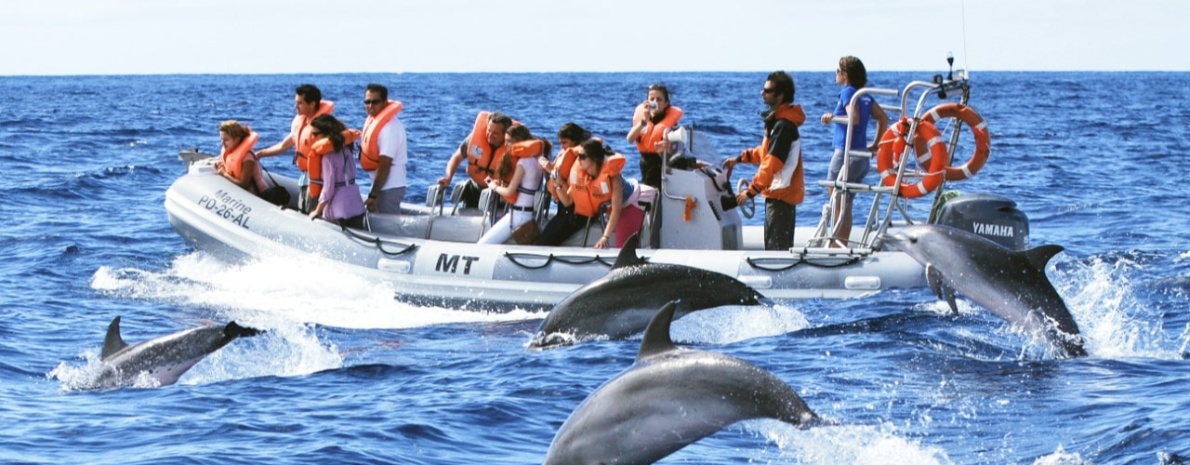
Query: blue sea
(347, 374)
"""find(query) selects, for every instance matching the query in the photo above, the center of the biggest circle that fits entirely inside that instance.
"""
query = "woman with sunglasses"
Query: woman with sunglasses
(521, 167)
(649, 122)
(595, 180)
(852, 75)
(339, 200)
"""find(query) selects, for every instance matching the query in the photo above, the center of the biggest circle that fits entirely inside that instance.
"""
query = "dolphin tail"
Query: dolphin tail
(113, 342)
(628, 255)
(656, 339)
(940, 288)
(233, 330)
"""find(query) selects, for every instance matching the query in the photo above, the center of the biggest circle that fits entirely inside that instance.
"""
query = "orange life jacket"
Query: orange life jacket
(369, 151)
(776, 179)
(651, 134)
(300, 128)
(562, 165)
(233, 161)
(480, 156)
(317, 150)
(590, 192)
(519, 150)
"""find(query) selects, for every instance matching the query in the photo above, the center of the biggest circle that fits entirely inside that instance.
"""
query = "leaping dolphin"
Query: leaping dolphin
(669, 399)
(621, 303)
(165, 358)
(1010, 284)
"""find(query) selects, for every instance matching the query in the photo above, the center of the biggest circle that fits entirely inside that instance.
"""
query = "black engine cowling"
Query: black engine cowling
(991, 216)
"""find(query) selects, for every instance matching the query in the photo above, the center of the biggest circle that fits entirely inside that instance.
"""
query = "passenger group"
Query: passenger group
(584, 179)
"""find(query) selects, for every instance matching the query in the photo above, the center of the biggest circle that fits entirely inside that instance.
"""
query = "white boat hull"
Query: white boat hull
(449, 269)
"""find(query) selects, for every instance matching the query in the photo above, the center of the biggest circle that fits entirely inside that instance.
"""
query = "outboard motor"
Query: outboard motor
(991, 216)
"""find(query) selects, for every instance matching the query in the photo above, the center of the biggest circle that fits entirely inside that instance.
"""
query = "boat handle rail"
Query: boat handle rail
(550, 258)
(812, 256)
(378, 242)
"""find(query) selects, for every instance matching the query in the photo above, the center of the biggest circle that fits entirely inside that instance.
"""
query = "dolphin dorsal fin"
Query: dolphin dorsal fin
(628, 255)
(113, 342)
(1040, 256)
(657, 338)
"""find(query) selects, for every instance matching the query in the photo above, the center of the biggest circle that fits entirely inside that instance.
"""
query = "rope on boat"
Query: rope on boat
(512, 257)
(375, 240)
(760, 263)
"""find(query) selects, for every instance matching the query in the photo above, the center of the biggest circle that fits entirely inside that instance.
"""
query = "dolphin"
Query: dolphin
(1010, 284)
(621, 303)
(668, 399)
(165, 358)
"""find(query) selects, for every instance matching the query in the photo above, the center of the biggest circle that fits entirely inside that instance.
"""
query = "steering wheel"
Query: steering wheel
(747, 208)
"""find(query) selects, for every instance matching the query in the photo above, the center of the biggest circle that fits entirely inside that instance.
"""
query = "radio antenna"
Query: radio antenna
(966, 66)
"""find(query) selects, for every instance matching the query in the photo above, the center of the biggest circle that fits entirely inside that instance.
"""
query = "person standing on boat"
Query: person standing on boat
(852, 75)
(649, 122)
(383, 151)
(308, 102)
(779, 178)
(569, 136)
(483, 149)
(596, 180)
(522, 168)
(340, 199)
(237, 162)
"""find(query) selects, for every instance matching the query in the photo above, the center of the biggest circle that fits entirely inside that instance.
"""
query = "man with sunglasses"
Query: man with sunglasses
(383, 151)
(780, 178)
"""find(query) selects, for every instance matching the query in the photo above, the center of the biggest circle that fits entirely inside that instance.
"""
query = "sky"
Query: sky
(73, 37)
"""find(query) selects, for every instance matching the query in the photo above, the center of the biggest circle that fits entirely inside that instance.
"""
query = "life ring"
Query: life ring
(979, 127)
(932, 156)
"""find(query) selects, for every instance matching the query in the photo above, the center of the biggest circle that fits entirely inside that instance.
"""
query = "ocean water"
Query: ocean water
(348, 375)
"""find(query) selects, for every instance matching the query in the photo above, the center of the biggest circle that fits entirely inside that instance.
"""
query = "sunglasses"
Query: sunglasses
(769, 90)
(373, 101)
(583, 156)
(315, 134)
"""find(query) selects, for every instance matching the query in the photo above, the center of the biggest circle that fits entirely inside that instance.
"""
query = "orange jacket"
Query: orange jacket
(300, 128)
(562, 166)
(317, 150)
(776, 179)
(591, 192)
(651, 134)
(233, 161)
(481, 159)
(369, 151)
(519, 150)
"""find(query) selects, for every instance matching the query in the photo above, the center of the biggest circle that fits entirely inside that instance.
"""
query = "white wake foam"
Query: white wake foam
(300, 289)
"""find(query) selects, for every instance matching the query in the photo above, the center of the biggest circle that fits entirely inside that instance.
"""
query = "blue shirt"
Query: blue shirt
(859, 139)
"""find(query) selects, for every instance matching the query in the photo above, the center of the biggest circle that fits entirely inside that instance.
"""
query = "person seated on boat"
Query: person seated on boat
(339, 200)
(852, 75)
(779, 178)
(569, 136)
(383, 151)
(308, 103)
(649, 122)
(595, 180)
(522, 168)
(237, 163)
(482, 149)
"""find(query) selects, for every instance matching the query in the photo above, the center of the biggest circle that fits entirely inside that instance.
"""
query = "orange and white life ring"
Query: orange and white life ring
(979, 127)
(932, 156)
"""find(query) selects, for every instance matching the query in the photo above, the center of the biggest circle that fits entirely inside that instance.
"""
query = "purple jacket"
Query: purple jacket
(340, 191)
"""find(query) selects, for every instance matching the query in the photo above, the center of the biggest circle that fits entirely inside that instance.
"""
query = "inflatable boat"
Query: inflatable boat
(430, 255)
